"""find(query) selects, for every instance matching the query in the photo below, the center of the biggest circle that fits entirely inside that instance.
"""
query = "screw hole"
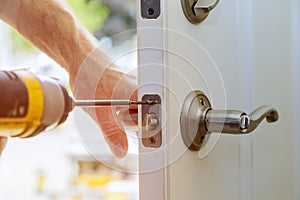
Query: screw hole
(202, 102)
(150, 11)
(152, 140)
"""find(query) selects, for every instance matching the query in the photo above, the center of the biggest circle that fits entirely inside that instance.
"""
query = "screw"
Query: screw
(152, 140)
(150, 11)
(202, 102)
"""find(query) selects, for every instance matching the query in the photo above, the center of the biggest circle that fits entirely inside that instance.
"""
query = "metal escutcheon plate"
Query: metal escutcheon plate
(193, 130)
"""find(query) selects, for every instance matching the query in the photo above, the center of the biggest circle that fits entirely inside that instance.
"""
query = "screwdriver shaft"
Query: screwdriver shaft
(94, 103)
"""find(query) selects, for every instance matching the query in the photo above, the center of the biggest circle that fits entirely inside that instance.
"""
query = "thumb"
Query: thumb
(113, 130)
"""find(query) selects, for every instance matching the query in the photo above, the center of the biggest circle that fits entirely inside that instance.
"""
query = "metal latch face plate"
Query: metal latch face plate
(151, 122)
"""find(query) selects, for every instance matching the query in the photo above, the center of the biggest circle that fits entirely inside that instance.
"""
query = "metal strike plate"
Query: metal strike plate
(151, 122)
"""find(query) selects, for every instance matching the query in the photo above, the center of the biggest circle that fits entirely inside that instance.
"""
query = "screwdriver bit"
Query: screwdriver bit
(94, 103)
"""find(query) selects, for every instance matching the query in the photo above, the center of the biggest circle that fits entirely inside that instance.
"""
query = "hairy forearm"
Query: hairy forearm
(51, 26)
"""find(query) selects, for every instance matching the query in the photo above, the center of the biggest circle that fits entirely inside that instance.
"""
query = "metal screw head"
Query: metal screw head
(244, 122)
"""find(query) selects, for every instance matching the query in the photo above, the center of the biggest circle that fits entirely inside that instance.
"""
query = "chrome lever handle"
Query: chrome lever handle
(238, 122)
(268, 112)
(198, 120)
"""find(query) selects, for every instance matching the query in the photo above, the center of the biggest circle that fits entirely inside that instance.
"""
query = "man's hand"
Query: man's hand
(3, 142)
(52, 27)
(115, 85)
(110, 84)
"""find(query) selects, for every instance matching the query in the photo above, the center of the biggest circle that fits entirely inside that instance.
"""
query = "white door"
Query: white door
(245, 54)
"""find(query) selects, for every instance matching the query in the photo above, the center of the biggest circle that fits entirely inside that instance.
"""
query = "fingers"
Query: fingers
(3, 142)
(114, 85)
(112, 127)
(113, 131)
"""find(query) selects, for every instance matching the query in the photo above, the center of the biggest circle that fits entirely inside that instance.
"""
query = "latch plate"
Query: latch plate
(151, 122)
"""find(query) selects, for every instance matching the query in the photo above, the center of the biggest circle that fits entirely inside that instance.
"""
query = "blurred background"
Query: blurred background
(57, 164)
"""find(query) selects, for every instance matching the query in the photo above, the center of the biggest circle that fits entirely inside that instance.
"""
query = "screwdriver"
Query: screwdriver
(31, 103)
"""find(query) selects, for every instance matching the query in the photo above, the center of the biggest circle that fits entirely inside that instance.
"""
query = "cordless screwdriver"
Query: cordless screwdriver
(31, 103)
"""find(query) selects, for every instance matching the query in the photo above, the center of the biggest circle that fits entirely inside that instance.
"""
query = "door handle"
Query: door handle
(198, 120)
(195, 11)
(238, 122)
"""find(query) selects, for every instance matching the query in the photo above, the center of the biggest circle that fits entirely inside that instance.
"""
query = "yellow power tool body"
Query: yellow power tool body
(29, 103)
